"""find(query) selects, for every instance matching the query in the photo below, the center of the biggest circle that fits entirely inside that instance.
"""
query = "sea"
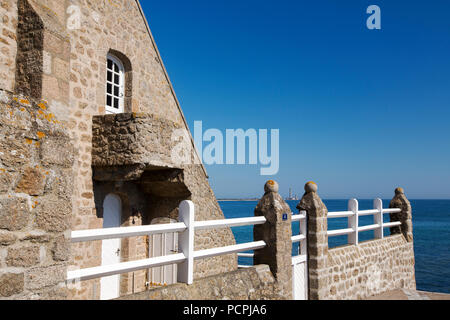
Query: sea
(431, 223)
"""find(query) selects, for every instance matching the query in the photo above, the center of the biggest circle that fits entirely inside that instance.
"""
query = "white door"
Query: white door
(163, 245)
(299, 278)
(112, 211)
(300, 265)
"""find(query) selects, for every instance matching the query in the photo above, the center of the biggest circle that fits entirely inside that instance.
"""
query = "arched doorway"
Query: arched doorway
(112, 213)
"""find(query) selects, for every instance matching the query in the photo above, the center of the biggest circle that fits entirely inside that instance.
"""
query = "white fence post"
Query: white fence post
(378, 218)
(186, 242)
(353, 221)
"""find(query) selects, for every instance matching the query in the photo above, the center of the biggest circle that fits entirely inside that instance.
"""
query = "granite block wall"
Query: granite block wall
(36, 176)
(56, 50)
(256, 283)
(358, 271)
(371, 268)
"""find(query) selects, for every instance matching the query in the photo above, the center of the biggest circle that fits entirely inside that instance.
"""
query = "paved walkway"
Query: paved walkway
(410, 295)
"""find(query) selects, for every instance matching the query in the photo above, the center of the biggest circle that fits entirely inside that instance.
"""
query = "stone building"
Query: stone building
(92, 136)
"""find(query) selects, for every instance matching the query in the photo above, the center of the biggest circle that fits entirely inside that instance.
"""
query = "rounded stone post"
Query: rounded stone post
(277, 233)
(405, 216)
(317, 240)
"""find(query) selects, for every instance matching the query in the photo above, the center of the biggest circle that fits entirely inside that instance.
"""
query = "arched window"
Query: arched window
(115, 85)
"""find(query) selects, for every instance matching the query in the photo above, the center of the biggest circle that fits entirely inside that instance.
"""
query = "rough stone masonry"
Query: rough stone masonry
(50, 180)
(36, 177)
(358, 271)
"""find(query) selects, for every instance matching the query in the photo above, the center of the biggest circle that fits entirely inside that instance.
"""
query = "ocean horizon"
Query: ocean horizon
(431, 229)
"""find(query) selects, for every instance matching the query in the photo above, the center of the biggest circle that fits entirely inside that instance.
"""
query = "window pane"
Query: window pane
(116, 91)
(116, 103)
(109, 76)
(110, 64)
(109, 101)
(116, 79)
(109, 88)
(116, 68)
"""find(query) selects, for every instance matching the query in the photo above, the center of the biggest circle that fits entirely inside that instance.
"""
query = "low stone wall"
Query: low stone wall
(256, 283)
(373, 267)
(358, 271)
(36, 177)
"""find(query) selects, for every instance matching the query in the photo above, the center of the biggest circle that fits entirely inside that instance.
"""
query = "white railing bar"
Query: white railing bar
(341, 232)
(392, 224)
(244, 267)
(368, 212)
(228, 223)
(369, 227)
(298, 238)
(246, 255)
(125, 267)
(298, 217)
(340, 214)
(208, 253)
(299, 259)
(125, 232)
(393, 210)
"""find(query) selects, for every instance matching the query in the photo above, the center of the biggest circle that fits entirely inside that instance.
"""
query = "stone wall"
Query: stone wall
(36, 176)
(371, 268)
(358, 271)
(138, 147)
(256, 283)
(119, 27)
(65, 64)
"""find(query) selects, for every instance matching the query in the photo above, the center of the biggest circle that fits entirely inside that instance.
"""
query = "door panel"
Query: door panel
(112, 211)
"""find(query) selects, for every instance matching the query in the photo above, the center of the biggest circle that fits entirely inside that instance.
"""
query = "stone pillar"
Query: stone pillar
(277, 233)
(405, 216)
(317, 240)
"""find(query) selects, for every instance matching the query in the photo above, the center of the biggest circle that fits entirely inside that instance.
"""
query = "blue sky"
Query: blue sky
(360, 111)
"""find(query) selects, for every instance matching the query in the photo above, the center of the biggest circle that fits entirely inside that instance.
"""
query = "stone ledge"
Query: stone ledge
(133, 139)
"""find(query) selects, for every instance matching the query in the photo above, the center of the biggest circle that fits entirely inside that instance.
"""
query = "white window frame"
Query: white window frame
(110, 109)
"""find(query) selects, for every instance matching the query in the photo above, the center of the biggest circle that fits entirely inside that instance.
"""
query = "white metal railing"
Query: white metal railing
(297, 238)
(353, 215)
(184, 258)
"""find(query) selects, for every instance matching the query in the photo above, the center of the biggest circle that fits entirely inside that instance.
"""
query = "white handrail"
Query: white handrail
(344, 214)
(392, 224)
(298, 238)
(238, 222)
(209, 253)
(340, 214)
(353, 220)
(298, 217)
(340, 232)
(127, 232)
(368, 212)
(368, 228)
(185, 257)
(393, 210)
(301, 217)
(124, 267)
